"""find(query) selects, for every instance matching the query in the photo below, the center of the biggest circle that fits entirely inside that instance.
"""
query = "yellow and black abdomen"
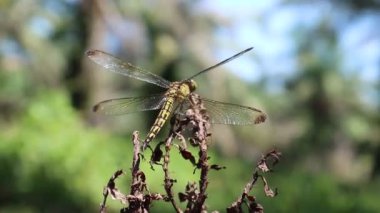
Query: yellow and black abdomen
(162, 117)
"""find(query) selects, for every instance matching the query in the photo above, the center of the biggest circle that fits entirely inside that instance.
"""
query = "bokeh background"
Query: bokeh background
(314, 70)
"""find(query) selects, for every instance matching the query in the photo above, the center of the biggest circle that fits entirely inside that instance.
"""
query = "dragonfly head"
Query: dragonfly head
(192, 85)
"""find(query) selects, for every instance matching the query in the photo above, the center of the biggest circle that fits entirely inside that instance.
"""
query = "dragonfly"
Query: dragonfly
(176, 95)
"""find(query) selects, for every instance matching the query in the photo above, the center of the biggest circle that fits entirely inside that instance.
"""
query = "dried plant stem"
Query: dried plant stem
(203, 182)
(201, 133)
(135, 162)
(168, 181)
(271, 158)
(195, 122)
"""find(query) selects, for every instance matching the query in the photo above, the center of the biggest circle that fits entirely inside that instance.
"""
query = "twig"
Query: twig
(196, 121)
(262, 167)
(111, 189)
(168, 181)
(137, 200)
(201, 133)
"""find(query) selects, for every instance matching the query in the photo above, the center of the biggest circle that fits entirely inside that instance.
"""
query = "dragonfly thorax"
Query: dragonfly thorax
(181, 89)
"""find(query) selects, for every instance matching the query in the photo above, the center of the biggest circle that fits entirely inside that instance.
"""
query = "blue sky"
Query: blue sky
(269, 27)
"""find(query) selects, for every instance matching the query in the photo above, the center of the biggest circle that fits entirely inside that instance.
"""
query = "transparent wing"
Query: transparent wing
(116, 65)
(222, 62)
(130, 105)
(233, 114)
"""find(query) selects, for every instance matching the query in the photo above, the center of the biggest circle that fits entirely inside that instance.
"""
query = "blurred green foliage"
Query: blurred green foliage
(56, 156)
(47, 169)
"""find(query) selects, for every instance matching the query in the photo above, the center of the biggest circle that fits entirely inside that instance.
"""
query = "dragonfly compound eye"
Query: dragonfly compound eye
(192, 85)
